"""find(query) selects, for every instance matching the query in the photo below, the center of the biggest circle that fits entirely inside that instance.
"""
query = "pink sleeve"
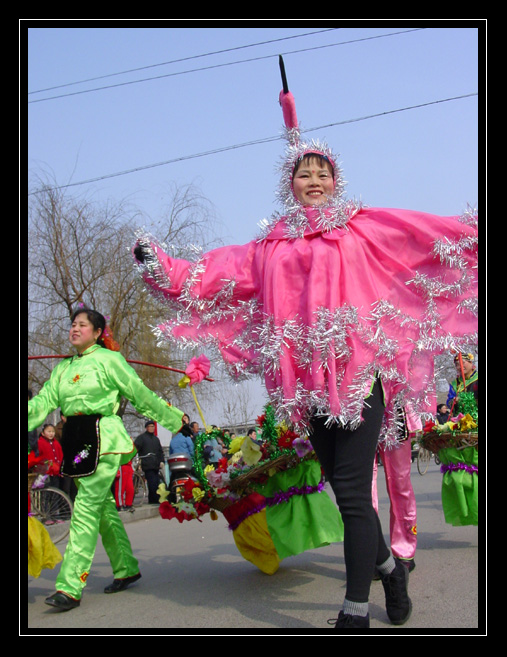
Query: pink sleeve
(221, 274)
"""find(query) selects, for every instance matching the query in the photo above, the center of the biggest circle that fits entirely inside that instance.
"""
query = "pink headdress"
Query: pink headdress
(336, 211)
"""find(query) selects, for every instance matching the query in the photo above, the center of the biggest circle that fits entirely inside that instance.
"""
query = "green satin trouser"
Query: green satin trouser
(95, 513)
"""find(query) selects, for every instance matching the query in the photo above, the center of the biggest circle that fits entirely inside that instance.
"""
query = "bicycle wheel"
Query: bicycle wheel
(140, 490)
(53, 508)
(423, 460)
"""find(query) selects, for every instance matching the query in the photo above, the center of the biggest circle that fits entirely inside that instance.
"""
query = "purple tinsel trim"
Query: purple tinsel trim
(451, 467)
(282, 496)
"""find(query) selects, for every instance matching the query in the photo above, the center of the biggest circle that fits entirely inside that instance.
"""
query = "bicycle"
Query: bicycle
(423, 460)
(53, 508)
(140, 486)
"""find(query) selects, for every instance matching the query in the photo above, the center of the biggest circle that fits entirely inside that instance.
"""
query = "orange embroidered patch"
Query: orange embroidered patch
(76, 378)
(84, 577)
(414, 530)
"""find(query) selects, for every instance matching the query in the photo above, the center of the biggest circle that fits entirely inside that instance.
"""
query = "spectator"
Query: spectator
(442, 413)
(124, 487)
(51, 451)
(152, 459)
(194, 428)
(182, 443)
(252, 433)
(471, 383)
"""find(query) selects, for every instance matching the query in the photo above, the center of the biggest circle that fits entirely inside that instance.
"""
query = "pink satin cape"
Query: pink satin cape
(318, 316)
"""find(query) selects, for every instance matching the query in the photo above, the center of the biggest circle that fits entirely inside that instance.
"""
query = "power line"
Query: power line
(214, 66)
(183, 59)
(255, 142)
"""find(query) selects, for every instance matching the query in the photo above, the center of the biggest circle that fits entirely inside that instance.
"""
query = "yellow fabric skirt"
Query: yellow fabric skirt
(42, 552)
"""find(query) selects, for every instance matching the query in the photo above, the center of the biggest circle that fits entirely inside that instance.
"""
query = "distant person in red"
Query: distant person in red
(50, 450)
(124, 487)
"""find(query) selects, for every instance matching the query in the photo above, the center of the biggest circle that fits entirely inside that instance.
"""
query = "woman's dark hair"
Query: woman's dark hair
(97, 320)
(322, 160)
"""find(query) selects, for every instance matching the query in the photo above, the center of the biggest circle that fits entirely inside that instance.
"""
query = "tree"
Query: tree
(79, 251)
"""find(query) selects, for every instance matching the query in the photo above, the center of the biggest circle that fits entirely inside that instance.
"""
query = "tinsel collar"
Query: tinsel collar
(298, 220)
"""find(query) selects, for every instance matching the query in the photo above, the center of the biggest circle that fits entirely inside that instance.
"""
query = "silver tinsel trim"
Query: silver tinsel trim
(335, 213)
(260, 343)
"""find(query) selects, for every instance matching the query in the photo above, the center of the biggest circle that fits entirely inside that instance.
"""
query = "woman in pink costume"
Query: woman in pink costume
(341, 308)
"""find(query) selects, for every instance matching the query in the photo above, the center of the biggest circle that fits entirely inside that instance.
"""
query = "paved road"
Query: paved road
(195, 581)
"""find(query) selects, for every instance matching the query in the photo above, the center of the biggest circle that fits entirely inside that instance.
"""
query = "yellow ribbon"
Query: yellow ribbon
(183, 383)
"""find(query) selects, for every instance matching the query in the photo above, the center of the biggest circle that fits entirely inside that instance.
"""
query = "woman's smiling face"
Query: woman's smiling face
(313, 182)
(82, 333)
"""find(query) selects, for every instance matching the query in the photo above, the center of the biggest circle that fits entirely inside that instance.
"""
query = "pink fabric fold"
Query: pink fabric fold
(321, 314)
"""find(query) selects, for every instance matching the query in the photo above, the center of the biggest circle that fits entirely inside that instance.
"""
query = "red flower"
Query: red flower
(285, 440)
(222, 465)
(428, 427)
(187, 489)
(168, 512)
(260, 419)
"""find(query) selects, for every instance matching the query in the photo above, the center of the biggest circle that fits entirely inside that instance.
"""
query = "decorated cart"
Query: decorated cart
(456, 444)
(270, 491)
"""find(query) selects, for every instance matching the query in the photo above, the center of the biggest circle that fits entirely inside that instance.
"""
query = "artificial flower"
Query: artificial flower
(197, 369)
(217, 479)
(162, 493)
(251, 451)
(222, 464)
(168, 512)
(235, 444)
(302, 446)
(286, 439)
(198, 494)
(447, 426)
(235, 458)
(467, 423)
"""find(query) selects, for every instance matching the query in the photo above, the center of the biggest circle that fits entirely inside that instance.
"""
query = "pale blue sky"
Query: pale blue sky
(423, 159)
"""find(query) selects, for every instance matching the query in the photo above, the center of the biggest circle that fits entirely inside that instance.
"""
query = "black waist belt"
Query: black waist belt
(80, 445)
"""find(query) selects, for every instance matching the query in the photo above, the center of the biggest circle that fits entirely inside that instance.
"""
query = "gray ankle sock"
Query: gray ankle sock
(387, 567)
(355, 608)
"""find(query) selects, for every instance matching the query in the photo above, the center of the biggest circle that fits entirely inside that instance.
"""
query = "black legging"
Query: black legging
(347, 459)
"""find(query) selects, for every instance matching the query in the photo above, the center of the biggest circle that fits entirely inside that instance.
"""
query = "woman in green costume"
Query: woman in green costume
(88, 388)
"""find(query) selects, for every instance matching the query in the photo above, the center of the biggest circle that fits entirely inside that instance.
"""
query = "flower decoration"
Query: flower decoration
(235, 444)
(196, 371)
(286, 439)
(162, 493)
(279, 448)
(251, 451)
(80, 456)
(108, 340)
(302, 446)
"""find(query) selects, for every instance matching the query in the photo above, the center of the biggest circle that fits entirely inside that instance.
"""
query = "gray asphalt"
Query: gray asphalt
(194, 581)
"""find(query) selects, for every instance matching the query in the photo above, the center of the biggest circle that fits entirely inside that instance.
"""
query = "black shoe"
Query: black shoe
(121, 584)
(62, 601)
(398, 604)
(348, 621)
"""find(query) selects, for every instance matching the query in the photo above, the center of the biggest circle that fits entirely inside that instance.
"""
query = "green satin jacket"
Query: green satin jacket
(94, 383)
